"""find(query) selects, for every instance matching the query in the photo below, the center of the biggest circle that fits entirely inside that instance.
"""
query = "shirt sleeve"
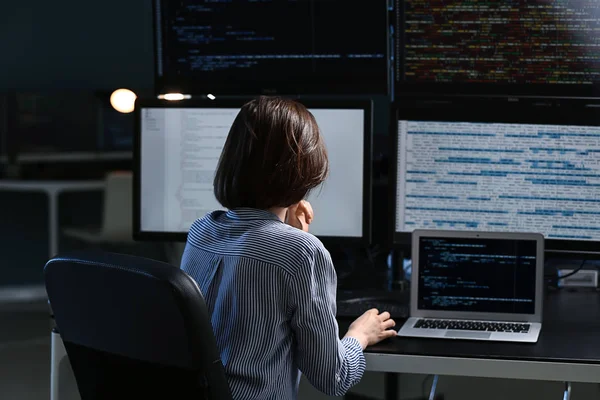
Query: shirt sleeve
(331, 365)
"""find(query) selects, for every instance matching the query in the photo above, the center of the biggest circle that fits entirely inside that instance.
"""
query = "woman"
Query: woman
(270, 286)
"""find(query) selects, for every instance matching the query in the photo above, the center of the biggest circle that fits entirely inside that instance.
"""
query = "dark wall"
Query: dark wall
(60, 46)
(69, 44)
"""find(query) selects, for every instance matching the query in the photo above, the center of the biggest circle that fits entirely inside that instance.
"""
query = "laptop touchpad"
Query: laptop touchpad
(467, 335)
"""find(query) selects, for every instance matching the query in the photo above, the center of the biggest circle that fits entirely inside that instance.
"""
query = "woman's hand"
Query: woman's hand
(371, 328)
(300, 215)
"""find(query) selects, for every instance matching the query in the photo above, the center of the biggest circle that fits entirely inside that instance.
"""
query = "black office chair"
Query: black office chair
(134, 328)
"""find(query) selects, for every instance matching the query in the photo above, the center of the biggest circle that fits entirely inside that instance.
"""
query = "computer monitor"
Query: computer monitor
(64, 126)
(266, 47)
(115, 129)
(519, 47)
(178, 145)
(52, 121)
(502, 170)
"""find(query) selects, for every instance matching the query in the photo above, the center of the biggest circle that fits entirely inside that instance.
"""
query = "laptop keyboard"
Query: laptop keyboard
(472, 325)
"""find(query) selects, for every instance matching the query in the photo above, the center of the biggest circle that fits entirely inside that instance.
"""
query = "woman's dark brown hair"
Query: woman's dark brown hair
(274, 155)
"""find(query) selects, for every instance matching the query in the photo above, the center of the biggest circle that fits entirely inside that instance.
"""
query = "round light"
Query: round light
(123, 100)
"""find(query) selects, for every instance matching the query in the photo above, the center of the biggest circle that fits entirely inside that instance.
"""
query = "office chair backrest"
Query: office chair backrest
(117, 220)
(134, 328)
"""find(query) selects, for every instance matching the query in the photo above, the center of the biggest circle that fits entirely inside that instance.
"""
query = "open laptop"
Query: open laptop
(476, 285)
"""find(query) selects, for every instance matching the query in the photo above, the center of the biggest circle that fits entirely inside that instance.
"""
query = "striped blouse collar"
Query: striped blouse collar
(247, 214)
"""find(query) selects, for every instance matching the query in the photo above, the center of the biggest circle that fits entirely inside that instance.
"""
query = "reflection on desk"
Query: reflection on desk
(352, 304)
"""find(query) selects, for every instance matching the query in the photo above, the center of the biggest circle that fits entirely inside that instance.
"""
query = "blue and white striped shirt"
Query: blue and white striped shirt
(270, 289)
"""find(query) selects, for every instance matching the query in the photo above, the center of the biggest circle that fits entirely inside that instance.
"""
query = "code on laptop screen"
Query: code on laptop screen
(477, 275)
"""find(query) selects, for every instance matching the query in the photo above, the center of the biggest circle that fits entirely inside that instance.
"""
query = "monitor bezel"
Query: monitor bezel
(164, 83)
(591, 91)
(366, 105)
(565, 112)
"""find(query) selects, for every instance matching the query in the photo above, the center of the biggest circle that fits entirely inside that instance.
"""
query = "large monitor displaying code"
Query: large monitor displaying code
(542, 46)
(503, 177)
(272, 46)
(179, 150)
(477, 275)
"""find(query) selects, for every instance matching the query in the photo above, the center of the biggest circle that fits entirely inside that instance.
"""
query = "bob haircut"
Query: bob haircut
(273, 157)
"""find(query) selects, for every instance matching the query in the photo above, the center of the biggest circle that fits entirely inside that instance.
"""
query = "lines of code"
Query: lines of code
(499, 177)
(500, 41)
(483, 275)
(266, 40)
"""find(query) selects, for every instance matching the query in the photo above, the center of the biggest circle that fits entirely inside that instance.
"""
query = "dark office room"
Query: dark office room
(300, 199)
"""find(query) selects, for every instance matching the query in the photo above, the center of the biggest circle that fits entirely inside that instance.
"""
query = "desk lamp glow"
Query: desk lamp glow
(174, 96)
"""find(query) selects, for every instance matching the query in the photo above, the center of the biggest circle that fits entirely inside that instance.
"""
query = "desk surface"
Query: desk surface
(568, 348)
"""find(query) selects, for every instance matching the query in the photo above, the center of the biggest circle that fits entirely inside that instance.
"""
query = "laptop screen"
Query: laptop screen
(477, 275)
